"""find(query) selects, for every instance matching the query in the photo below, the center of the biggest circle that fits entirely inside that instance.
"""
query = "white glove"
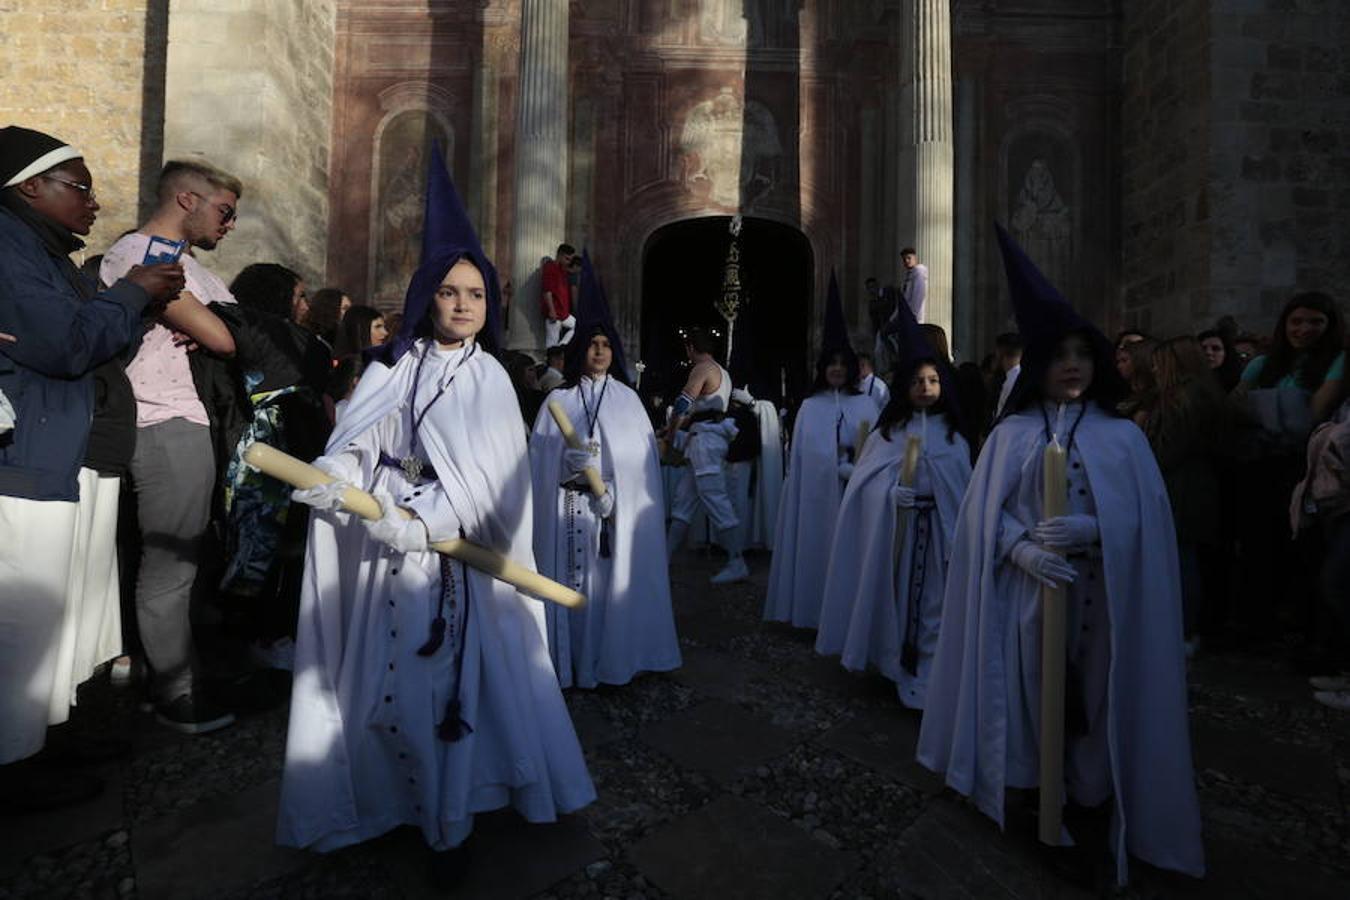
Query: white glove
(341, 466)
(576, 461)
(404, 535)
(603, 505)
(325, 496)
(1048, 568)
(903, 497)
(729, 428)
(845, 470)
(1066, 531)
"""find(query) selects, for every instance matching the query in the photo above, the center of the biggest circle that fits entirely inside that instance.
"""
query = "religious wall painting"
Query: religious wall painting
(730, 152)
(1042, 195)
(403, 147)
(722, 23)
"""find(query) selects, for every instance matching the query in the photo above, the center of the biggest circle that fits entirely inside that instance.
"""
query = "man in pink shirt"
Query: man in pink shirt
(173, 470)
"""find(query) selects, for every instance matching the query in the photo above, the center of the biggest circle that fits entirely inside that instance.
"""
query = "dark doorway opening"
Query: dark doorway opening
(682, 277)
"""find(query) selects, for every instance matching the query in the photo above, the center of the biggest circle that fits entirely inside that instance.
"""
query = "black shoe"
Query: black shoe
(193, 714)
(25, 788)
(449, 868)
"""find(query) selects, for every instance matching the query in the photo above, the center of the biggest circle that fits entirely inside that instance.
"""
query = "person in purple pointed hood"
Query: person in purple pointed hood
(602, 545)
(887, 568)
(823, 450)
(424, 691)
(1127, 765)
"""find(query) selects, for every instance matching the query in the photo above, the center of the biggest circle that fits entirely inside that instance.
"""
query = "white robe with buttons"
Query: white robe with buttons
(627, 625)
(870, 604)
(363, 755)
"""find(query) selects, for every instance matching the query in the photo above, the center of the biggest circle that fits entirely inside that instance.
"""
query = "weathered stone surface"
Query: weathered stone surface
(23, 837)
(953, 852)
(718, 738)
(1305, 772)
(734, 849)
(884, 740)
(510, 859)
(249, 86)
(78, 75)
(208, 849)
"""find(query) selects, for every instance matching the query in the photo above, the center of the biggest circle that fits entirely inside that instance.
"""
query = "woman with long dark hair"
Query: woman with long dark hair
(1282, 396)
(1222, 357)
(281, 367)
(327, 307)
(362, 328)
(1184, 421)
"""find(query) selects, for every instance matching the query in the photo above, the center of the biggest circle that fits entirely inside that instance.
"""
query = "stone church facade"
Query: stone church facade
(1165, 162)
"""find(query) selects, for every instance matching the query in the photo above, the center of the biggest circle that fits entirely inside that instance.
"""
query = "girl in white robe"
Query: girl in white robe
(820, 462)
(1127, 766)
(424, 692)
(883, 602)
(609, 548)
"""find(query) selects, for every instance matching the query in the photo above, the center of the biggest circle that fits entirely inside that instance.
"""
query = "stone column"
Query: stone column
(926, 105)
(539, 214)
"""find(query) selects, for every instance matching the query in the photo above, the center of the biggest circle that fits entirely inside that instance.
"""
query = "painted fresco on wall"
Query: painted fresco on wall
(730, 151)
(403, 148)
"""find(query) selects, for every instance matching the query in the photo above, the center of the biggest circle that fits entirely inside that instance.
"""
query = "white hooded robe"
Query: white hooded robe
(869, 608)
(627, 625)
(363, 754)
(826, 429)
(981, 724)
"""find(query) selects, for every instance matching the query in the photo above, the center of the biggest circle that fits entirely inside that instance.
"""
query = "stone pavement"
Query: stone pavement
(756, 771)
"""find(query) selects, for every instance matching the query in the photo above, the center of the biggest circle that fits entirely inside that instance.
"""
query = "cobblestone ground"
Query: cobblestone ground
(757, 770)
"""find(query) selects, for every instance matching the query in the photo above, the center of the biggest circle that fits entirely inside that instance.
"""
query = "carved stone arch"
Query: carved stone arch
(392, 231)
(647, 211)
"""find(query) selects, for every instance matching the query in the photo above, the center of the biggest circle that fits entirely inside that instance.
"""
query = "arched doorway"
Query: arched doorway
(682, 265)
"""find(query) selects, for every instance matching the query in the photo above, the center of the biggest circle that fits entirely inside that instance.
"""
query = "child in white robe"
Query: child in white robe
(824, 439)
(603, 546)
(424, 693)
(1127, 765)
(888, 562)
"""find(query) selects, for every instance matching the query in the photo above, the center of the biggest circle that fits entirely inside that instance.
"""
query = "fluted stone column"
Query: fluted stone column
(539, 214)
(926, 104)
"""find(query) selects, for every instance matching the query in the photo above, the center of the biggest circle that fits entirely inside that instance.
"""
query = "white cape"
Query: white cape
(827, 423)
(982, 721)
(763, 515)
(867, 609)
(627, 625)
(362, 754)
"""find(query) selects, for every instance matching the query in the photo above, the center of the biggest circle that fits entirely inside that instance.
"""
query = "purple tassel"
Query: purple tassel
(437, 637)
(604, 538)
(452, 727)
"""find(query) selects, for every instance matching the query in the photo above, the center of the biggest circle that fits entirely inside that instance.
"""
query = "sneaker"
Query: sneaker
(1330, 682)
(1335, 699)
(193, 714)
(735, 570)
